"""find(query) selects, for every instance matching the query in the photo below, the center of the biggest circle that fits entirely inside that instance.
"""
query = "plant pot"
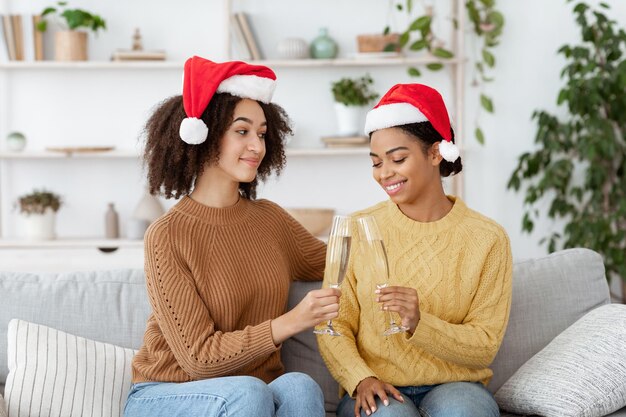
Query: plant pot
(349, 119)
(39, 226)
(70, 45)
(377, 43)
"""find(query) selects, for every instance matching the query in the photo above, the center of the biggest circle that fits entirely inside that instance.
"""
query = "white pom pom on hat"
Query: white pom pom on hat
(203, 78)
(414, 103)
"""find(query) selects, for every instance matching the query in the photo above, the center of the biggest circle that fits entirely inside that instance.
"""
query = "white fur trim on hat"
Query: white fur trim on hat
(448, 151)
(249, 86)
(193, 131)
(390, 115)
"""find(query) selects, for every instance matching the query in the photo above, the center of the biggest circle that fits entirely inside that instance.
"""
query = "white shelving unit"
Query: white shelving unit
(456, 68)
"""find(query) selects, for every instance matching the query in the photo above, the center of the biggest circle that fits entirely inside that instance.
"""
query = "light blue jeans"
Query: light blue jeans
(454, 399)
(292, 394)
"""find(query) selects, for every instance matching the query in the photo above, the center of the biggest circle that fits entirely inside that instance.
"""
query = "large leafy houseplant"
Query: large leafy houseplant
(579, 167)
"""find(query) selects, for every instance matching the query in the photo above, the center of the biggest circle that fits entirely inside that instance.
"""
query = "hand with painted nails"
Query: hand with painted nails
(401, 300)
(368, 390)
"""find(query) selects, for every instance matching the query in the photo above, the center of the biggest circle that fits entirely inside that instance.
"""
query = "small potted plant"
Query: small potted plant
(71, 44)
(38, 211)
(352, 96)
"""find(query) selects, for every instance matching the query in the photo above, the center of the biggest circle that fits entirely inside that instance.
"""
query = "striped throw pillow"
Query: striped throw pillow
(55, 373)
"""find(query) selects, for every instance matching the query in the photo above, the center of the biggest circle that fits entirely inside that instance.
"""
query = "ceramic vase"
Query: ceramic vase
(39, 226)
(293, 48)
(16, 142)
(324, 47)
(349, 119)
(149, 208)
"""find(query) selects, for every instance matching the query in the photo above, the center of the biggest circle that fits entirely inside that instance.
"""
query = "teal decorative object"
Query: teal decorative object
(324, 47)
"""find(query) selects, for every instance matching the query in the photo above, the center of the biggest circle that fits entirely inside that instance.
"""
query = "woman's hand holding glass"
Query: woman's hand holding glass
(337, 257)
(375, 256)
(401, 300)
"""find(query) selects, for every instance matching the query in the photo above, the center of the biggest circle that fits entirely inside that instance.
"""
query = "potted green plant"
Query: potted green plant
(578, 169)
(352, 96)
(38, 211)
(70, 44)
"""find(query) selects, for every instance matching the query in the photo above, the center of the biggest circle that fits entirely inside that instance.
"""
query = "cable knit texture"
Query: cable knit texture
(215, 279)
(461, 267)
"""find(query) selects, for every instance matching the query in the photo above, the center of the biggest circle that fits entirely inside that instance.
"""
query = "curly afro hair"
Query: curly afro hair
(173, 165)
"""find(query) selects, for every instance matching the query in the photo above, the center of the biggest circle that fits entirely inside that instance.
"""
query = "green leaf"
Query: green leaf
(391, 47)
(435, 66)
(404, 38)
(419, 45)
(421, 23)
(48, 10)
(386, 30)
(489, 59)
(480, 137)
(414, 72)
(42, 26)
(486, 103)
(443, 53)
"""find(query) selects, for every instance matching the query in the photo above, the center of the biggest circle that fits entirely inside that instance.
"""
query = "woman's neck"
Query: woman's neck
(428, 210)
(215, 191)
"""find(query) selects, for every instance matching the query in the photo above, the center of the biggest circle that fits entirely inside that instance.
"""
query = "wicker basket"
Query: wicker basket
(377, 43)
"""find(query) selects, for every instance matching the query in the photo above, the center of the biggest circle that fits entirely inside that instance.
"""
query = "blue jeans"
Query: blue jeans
(454, 399)
(293, 394)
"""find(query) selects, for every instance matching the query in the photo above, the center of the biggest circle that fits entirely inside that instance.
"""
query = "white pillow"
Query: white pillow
(55, 373)
(582, 372)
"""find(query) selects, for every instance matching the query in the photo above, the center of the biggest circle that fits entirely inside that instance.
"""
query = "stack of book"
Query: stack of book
(22, 40)
(245, 43)
(130, 55)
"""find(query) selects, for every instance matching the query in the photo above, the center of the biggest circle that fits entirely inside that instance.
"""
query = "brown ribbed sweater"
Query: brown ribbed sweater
(216, 277)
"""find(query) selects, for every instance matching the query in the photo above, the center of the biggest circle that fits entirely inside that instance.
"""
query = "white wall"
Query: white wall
(109, 106)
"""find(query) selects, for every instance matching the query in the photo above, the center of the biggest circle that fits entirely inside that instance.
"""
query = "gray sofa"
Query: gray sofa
(549, 294)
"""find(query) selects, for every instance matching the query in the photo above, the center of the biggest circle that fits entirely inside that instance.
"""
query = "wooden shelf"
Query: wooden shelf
(115, 154)
(71, 243)
(273, 63)
(130, 154)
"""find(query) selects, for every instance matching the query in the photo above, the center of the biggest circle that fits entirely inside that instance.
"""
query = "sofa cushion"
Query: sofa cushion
(549, 294)
(54, 373)
(582, 372)
(107, 306)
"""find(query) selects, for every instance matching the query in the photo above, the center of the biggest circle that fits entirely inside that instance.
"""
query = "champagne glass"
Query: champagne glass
(337, 257)
(375, 257)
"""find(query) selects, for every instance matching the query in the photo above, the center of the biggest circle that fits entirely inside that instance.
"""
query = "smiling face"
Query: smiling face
(242, 147)
(402, 168)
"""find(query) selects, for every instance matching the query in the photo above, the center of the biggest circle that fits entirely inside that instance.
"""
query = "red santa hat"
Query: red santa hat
(204, 78)
(413, 103)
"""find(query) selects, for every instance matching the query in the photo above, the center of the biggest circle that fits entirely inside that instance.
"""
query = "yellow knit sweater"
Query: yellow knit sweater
(461, 267)
(215, 280)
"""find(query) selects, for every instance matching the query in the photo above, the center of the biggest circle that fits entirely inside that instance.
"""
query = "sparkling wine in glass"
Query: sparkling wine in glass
(375, 257)
(337, 257)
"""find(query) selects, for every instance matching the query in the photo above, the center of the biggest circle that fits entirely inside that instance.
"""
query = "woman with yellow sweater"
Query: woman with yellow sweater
(449, 271)
(219, 264)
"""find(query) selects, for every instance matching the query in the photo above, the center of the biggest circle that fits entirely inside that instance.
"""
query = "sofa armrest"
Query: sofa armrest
(3, 407)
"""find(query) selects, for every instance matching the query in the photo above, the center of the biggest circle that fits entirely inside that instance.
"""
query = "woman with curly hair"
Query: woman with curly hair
(219, 263)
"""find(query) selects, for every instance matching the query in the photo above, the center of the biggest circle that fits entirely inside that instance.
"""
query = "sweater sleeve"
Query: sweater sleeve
(474, 343)
(200, 350)
(340, 354)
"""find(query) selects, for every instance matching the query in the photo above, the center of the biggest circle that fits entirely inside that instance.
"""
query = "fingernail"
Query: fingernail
(367, 412)
(377, 292)
(377, 299)
(373, 409)
(386, 402)
(385, 308)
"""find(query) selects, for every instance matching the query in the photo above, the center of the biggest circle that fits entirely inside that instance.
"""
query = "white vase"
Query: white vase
(39, 226)
(293, 48)
(349, 119)
(149, 208)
